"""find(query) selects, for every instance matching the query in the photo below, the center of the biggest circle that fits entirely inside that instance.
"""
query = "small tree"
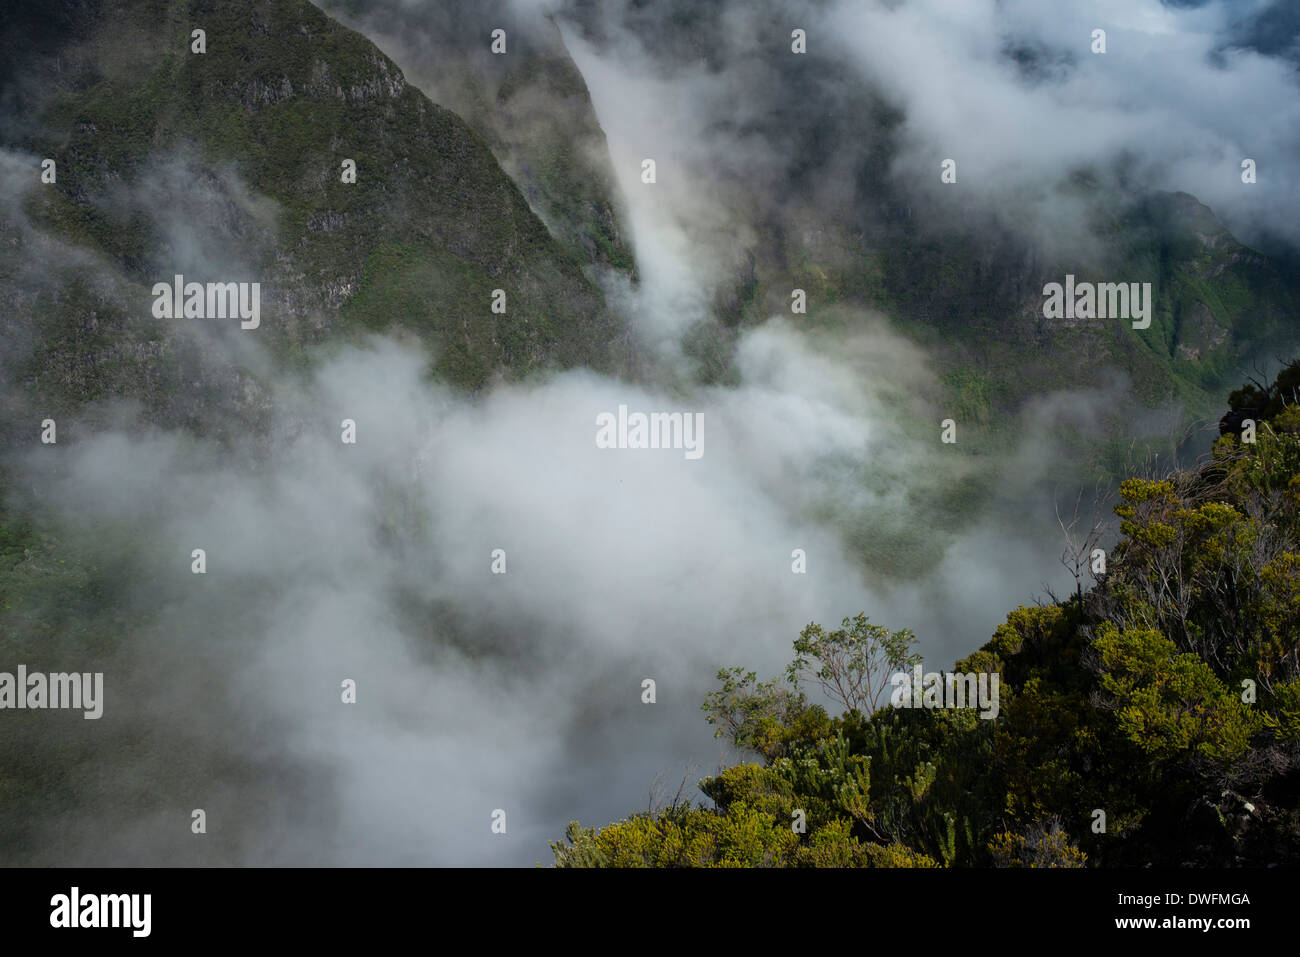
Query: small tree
(1082, 533)
(754, 715)
(852, 665)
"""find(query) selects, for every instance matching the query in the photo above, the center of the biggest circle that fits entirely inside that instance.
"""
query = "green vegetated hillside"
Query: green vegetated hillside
(227, 166)
(1096, 397)
(1152, 720)
(972, 294)
(528, 101)
(1090, 399)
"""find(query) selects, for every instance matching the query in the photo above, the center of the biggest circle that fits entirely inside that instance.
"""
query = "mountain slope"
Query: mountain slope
(227, 166)
(529, 103)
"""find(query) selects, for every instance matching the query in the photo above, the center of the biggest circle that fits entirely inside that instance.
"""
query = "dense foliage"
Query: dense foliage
(1154, 719)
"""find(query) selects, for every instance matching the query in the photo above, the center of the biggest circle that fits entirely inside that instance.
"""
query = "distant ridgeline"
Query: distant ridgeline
(1154, 719)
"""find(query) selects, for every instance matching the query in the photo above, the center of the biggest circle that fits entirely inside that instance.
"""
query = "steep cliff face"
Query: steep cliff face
(231, 165)
(507, 73)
